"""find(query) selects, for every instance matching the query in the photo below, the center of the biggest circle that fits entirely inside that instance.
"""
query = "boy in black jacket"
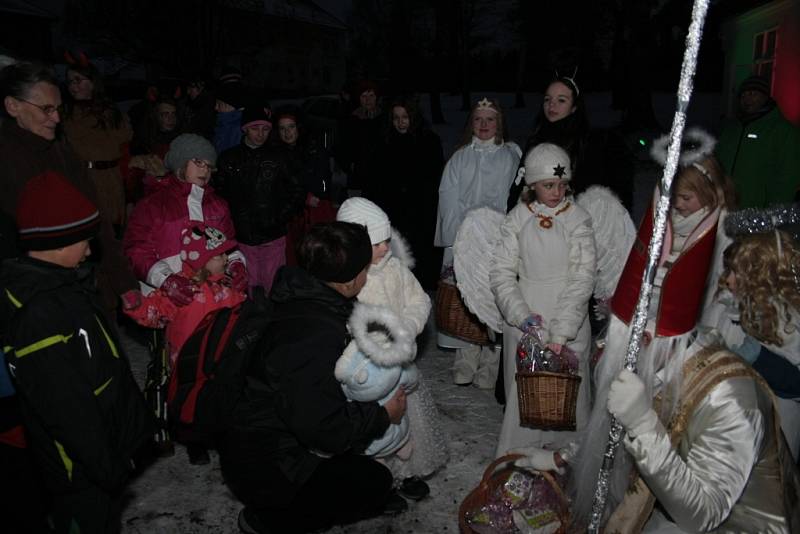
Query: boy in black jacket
(84, 414)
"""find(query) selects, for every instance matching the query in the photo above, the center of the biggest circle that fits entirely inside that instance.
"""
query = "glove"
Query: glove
(628, 402)
(131, 299)
(534, 320)
(179, 289)
(537, 458)
(236, 276)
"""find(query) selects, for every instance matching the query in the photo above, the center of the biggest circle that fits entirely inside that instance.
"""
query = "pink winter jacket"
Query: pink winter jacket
(154, 228)
(181, 321)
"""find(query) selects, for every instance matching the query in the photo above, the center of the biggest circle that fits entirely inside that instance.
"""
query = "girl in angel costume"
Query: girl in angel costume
(760, 285)
(405, 308)
(541, 260)
(479, 174)
(544, 270)
(702, 434)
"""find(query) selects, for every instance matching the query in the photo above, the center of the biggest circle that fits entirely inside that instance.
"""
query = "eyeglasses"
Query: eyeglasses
(47, 109)
(203, 164)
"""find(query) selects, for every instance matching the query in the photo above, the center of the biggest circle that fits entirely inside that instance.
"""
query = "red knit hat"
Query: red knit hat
(200, 243)
(52, 213)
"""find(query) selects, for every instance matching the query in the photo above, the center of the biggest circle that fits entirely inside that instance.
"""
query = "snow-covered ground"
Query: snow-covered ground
(173, 496)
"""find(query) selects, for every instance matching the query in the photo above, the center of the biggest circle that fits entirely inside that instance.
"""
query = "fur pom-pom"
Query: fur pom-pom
(381, 335)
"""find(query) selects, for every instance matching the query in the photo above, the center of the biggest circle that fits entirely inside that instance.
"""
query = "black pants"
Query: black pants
(23, 509)
(88, 511)
(343, 489)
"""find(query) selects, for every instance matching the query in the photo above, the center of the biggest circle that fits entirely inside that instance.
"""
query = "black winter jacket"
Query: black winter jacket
(83, 411)
(261, 193)
(293, 411)
(310, 164)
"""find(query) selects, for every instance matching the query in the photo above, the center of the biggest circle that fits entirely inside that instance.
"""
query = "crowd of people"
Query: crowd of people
(285, 311)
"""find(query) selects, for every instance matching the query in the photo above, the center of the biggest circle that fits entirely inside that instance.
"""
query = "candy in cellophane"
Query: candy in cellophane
(524, 504)
(533, 355)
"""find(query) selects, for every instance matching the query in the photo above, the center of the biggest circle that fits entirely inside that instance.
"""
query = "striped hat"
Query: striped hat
(52, 213)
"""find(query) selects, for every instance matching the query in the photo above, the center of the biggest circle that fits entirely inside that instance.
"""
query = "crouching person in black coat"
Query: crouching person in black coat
(83, 413)
(294, 454)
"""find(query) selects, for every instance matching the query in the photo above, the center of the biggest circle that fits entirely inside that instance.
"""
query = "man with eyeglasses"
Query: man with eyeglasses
(29, 146)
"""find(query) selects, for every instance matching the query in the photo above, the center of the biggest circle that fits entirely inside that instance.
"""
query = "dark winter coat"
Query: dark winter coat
(762, 156)
(598, 157)
(81, 406)
(408, 171)
(261, 193)
(310, 164)
(293, 412)
(361, 136)
(25, 155)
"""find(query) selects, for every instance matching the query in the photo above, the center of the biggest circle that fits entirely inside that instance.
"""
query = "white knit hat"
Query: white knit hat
(359, 210)
(545, 162)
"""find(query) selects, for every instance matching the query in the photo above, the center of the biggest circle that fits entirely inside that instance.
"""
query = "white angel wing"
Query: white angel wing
(614, 234)
(472, 261)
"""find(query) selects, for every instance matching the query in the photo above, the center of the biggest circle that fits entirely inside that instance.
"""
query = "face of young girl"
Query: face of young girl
(558, 102)
(484, 124)
(216, 265)
(686, 202)
(550, 192)
(379, 251)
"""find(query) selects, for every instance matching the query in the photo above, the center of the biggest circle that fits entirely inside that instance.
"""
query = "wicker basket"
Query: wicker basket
(547, 401)
(454, 319)
(492, 478)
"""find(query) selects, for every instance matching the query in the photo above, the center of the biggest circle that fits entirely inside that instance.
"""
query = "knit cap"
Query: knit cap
(755, 83)
(52, 213)
(256, 116)
(546, 161)
(200, 243)
(361, 211)
(186, 147)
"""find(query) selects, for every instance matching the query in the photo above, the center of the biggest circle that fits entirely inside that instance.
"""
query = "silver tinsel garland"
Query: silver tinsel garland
(685, 87)
(758, 221)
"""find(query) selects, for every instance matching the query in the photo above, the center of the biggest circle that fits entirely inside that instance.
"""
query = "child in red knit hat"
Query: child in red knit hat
(84, 416)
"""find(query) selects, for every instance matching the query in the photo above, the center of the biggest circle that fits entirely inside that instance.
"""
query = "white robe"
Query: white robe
(548, 271)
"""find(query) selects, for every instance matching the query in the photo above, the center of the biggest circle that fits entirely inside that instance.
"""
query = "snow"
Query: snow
(173, 496)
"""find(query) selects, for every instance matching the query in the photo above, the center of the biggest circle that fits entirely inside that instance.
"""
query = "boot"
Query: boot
(488, 367)
(466, 365)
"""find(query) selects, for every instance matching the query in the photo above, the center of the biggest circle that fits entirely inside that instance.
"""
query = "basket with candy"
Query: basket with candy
(511, 500)
(547, 383)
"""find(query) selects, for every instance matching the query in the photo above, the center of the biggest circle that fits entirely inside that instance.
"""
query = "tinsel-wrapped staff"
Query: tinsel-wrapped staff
(685, 86)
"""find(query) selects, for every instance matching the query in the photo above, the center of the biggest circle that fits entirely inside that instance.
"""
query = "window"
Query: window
(764, 45)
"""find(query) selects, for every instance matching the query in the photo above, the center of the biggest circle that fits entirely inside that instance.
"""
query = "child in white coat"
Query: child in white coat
(390, 283)
(544, 266)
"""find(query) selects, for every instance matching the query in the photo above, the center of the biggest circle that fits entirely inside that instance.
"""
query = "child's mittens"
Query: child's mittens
(179, 289)
(236, 276)
(131, 299)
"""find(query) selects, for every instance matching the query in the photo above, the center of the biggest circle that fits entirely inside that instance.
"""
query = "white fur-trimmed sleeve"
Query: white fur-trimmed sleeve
(503, 275)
